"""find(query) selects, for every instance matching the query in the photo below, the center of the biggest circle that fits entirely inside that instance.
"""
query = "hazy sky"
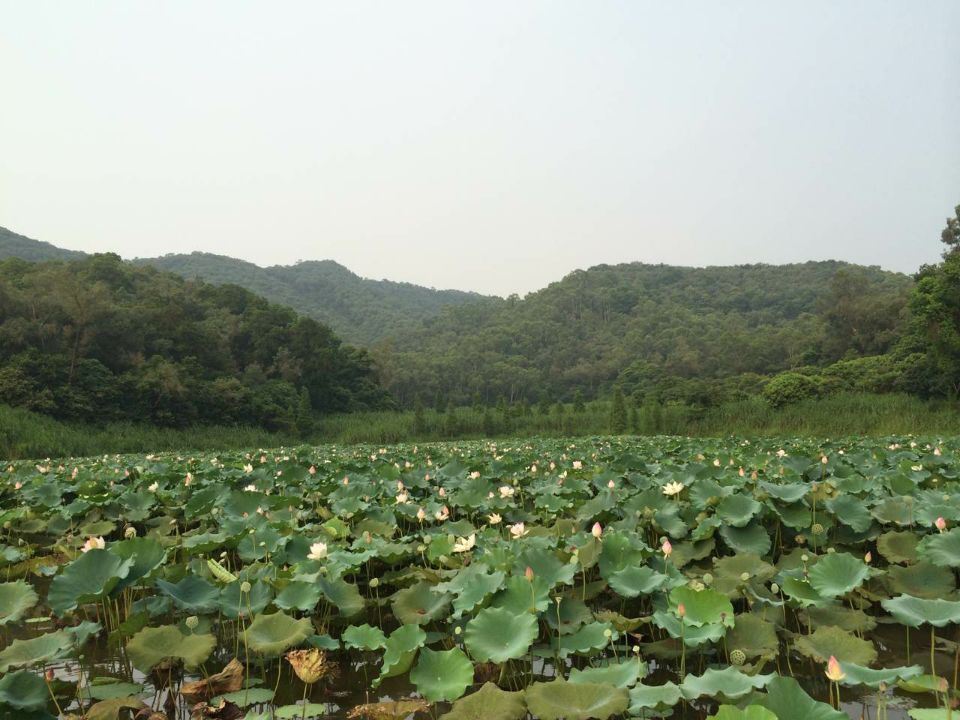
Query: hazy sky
(491, 146)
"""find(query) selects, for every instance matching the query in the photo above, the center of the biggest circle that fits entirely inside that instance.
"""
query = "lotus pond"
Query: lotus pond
(597, 578)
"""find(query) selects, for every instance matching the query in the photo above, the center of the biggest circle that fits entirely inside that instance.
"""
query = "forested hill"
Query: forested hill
(671, 332)
(20, 246)
(98, 339)
(360, 310)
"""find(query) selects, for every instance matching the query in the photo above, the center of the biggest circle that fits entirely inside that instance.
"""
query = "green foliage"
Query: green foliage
(790, 387)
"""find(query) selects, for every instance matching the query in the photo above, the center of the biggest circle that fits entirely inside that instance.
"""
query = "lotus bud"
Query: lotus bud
(528, 574)
(130, 532)
(774, 588)
(636, 649)
(940, 524)
(868, 558)
(834, 673)
(667, 548)
(707, 578)
(597, 530)
(49, 675)
(681, 610)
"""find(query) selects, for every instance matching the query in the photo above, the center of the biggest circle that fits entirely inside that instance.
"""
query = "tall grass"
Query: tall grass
(24, 434)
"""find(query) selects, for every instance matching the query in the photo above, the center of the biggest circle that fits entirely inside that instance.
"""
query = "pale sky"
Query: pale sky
(494, 145)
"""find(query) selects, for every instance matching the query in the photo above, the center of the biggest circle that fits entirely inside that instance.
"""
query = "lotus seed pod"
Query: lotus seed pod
(636, 649)
(816, 529)
(192, 622)
(458, 630)
(130, 532)
(804, 558)
(707, 578)
(245, 587)
(744, 576)
(608, 633)
(774, 588)
(738, 657)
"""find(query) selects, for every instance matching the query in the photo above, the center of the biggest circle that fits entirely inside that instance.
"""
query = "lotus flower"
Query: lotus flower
(93, 543)
(597, 530)
(318, 551)
(577, 465)
(834, 672)
(673, 488)
(940, 524)
(465, 544)
(153, 488)
(506, 491)
(494, 518)
(667, 548)
(518, 530)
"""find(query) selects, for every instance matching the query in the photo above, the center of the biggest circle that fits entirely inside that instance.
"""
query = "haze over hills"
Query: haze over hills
(698, 334)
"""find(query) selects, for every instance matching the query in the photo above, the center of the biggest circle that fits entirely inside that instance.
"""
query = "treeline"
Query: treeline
(697, 336)
(99, 340)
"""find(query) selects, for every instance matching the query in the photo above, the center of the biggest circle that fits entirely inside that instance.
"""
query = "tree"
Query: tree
(578, 405)
(419, 421)
(618, 413)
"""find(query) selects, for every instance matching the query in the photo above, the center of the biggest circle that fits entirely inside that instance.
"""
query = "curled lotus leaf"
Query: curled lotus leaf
(442, 674)
(751, 712)
(621, 675)
(914, 611)
(561, 700)
(23, 690)
(788, 701)
(828, 641)
(364, 637)
(860, 675)
(41, 649)
(16, 598)
(151, 646)
(272, 634)
(724, 685)
(402, 646)
(634, 581)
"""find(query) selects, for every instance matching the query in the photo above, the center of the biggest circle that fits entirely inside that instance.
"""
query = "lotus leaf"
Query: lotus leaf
(547, 566)
(726, 684)
(151, 646)
(516, 595)
(692, 636)
(923, 580)
(751, 712)
(114, 708)
(829, 641)
(753, 636)
(737, 510)
(419, 605)
(364, 637)
(342, 595)
(88, 578)
(703, 607)
(837, 574)
(442, 675)
(23, 690)
(488, 703)
(193, 594)
(914, 612)
(298, 596)
(787, 700)
(560, 700)
(632, 582)
(859, 675)
(942, 549)
(898, 547)
(621, 675)
(590, 637)
(497, 635)
(851, 512)
(41, 649)
(296, 712)
(751, 538)
(100, 690)
(402, 646)
(247, 697)
(272, 634)
(16, 598)
(569, 615)
(147, 555)
(840, 616)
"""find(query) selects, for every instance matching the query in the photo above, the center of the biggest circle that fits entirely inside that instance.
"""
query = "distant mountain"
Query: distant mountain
(20, 246)
(655, 330)
(359, 310)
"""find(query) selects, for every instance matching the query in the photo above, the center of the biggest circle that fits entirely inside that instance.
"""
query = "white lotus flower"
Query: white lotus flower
(506, 491)
(94, 543)
(153, 487)
(318, 551)
(673, 488)
(465, 544)
(518, 530)
(494, 519)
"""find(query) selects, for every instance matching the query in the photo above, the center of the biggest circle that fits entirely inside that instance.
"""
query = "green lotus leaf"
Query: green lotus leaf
(852, 620)
(898, 547)
(787, 700)
(442, 675)
(923, 580)
(296, 712)
(516, 595)
(930, 714)
(621, 675)
(364, 637)
(859, 675)
(193, 594)
(802, 592)
(471, 587)
(41, 649)
(752, 538)
(894, 511)
(653, 697)
(23, 690)
(569, 615)
(546, 565)
(942, 549)
(850, 511)
(692, 636)
(728, 573)
(703, 607)
(89, 578)
(299, 596)
(632, 582)
(100, 690)
(147, 555)
(16, 598)
(560, 700)
(402, 646)
(246, 697)
(234, 602)
(342, 595)
(151, 646)
(924, 684)
(723, 685)
(489, 703)
(837, 574)
(753, 636)
(497, 635)
(829, 641)
(272, 634)
(587, 639)
(419, 605)
(751, 712)
(914, 612)
(737, 510)
(619, 551)
(114, 708)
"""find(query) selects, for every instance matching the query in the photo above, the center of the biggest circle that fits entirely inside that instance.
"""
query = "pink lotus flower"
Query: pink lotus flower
(667, 548)
(597, 530)
(940, 524)
(834, 672)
